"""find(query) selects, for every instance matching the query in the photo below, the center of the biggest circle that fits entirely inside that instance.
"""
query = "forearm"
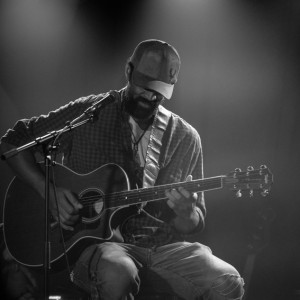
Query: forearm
(189, 223)
(25, 167)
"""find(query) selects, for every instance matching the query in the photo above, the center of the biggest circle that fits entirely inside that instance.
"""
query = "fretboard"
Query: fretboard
(155, 193)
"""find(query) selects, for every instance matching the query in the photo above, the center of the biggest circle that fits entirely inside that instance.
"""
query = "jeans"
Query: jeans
(189, 270)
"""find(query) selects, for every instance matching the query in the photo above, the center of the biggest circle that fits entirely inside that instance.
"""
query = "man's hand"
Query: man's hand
(182, 201)
(184, 205)
(25, 167)
(68, 205)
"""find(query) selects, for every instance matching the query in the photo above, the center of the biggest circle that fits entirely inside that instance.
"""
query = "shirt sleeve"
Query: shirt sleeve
(27, 130)
(195, 168)
(182, 156)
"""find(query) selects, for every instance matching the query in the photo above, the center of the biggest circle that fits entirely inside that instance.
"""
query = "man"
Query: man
(154, 147)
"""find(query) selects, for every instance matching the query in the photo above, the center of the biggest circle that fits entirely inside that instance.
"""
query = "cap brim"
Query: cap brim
(161, 87)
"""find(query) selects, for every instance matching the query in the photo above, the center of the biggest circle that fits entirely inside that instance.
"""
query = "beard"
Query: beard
(140, 108)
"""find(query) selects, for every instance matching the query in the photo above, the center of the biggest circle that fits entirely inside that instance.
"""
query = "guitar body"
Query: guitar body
(24, 216)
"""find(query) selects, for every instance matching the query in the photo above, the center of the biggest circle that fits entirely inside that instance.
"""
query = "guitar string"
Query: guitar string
(162, 188)
(137, 194)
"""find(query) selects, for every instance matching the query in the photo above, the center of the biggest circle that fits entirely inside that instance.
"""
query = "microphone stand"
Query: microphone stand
(89, 115)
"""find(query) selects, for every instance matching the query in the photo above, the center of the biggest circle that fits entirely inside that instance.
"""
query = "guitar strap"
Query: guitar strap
(158, 129)
(152, 166)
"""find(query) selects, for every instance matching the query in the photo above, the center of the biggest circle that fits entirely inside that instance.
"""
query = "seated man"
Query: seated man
(155, 147)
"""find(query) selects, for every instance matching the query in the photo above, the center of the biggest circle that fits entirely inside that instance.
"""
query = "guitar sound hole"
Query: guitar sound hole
(93, 206)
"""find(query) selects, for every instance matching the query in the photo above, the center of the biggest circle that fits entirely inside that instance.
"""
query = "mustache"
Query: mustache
(146, 101)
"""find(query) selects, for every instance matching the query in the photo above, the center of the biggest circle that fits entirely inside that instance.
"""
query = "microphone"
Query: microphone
(93, 111)
(97, 106)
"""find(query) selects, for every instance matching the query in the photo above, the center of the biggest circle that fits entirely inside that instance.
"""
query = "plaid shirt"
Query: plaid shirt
(108, 140)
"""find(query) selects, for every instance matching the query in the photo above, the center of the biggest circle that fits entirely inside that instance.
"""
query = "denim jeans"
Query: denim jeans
(189, 270)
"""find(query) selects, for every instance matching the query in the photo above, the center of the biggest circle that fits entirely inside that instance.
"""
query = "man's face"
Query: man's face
(140, 103)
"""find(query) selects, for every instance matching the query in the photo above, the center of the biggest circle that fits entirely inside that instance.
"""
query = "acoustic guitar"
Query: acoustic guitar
(105, 196)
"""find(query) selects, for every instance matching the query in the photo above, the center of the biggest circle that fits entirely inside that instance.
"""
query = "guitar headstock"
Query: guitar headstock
(250, 180)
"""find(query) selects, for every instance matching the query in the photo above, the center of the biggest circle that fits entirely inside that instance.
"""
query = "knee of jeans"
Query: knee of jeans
(123, 269)
(229, 286)
(120, 276)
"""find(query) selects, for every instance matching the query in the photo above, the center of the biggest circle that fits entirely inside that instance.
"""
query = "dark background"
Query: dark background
(238, 86)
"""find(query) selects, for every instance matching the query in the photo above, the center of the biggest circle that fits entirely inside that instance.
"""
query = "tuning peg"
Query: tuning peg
(238, 194)
(236, 170)
(262, 168)
(251, 193)
(250, 168)
(265, 193)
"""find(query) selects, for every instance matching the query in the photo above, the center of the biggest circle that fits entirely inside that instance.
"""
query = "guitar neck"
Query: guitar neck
(155, 193)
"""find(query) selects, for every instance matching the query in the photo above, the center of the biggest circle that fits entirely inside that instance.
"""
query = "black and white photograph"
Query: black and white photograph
(150, 149)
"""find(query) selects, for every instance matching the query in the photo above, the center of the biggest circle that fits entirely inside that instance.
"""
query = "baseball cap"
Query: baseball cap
(156, 66)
